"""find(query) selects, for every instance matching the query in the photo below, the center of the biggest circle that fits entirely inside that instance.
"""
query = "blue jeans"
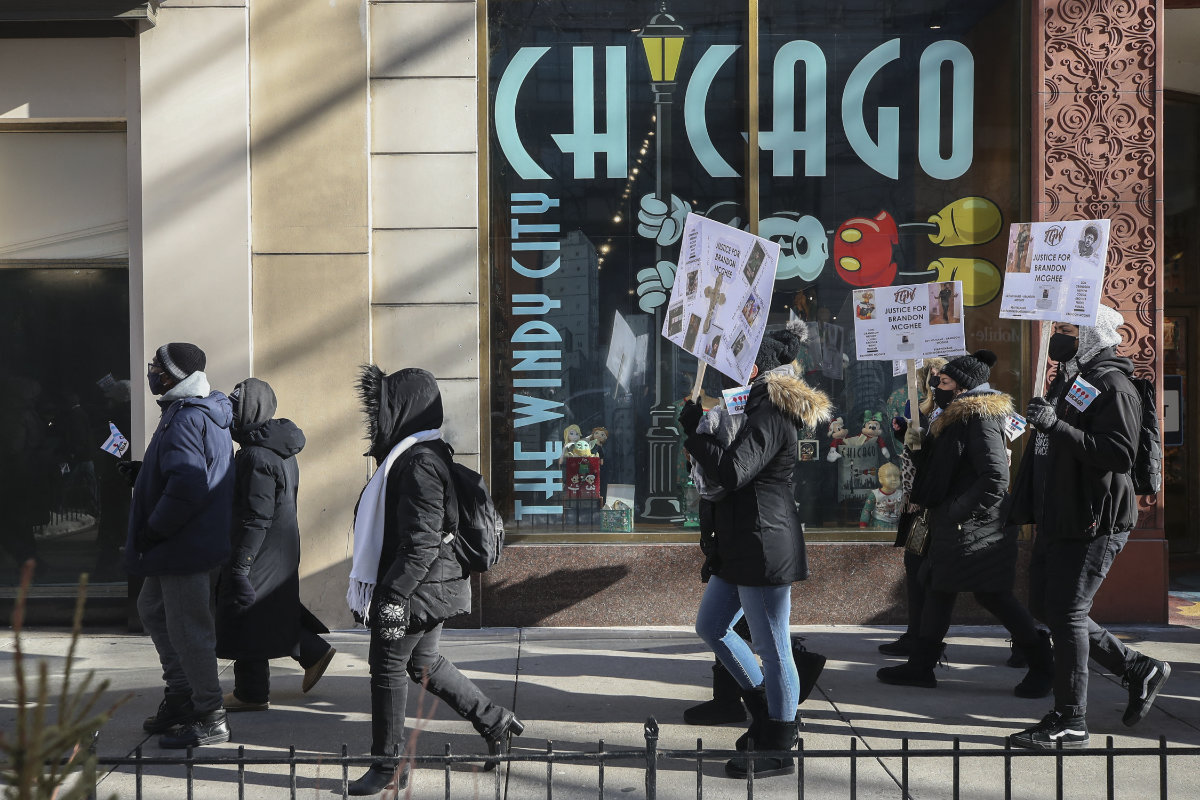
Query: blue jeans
(767, 610)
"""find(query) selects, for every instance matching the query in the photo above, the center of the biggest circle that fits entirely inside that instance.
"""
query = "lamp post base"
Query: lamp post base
(663, 504)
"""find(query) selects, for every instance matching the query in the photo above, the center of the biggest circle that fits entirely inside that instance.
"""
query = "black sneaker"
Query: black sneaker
(901, 647)
(1054, 729)
(175, 709)
(1144, 677)
(210, 728)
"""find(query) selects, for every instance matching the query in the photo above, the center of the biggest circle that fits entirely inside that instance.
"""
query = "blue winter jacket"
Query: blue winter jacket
(184, 491)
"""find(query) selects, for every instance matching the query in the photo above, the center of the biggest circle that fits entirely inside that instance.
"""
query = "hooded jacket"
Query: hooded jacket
(417, 560)
(1089, 458)
(184, 491)
(266, 535)
(759, 538)
(962, 478)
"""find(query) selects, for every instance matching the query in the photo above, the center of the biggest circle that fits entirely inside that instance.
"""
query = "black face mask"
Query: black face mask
(155, 380)
(942, 397)
(1063, 347)
(934, 380)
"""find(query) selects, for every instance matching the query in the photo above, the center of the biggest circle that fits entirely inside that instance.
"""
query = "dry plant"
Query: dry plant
(41, 755)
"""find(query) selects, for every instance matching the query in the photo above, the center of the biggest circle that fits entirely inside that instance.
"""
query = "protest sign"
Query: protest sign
(721, 296)
(909, 322)
(1055, 271)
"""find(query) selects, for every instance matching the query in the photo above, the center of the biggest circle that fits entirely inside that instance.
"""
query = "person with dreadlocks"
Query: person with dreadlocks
(406, 580)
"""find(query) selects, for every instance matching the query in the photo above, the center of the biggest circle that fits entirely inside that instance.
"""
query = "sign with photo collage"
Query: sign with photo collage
(1055, 271)
(721, 296)
(918, 320)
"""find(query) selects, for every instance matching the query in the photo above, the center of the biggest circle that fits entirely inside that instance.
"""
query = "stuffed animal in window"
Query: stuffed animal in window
(837, 436)
(872, 431)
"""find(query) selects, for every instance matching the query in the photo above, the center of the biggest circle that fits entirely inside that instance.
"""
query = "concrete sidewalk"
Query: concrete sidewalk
(575, 687)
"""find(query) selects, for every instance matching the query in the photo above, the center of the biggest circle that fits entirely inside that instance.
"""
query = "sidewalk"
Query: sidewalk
(576, 686)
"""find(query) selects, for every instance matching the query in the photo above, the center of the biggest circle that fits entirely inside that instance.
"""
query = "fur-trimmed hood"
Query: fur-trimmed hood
(986, 404)
(804, 405)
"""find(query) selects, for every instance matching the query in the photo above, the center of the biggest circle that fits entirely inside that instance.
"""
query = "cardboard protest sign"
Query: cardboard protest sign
(1055, 271)
(721, 296)
(912, 321)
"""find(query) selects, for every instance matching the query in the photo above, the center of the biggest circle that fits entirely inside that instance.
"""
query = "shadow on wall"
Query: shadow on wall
(536, 599)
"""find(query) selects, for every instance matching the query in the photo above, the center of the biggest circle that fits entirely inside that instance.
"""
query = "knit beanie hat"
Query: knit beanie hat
(180, 359)
(781, 347)
(972, 370)
(1094, 338)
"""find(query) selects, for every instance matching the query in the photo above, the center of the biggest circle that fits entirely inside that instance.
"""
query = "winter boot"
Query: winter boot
(809, 665)
(918, 670)
(773, 736)
(901, 647)
(175, 709)
(1016, 656)
(1143, 677)
(756, 703)
(1039, 681)
(726, 704)
(499, 741)
(210, 728)
(377, 778)
(1055, 728)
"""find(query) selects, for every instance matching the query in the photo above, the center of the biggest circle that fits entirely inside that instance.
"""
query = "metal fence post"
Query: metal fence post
(651, 732)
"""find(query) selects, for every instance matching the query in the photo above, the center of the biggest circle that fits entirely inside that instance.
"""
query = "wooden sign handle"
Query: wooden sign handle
(701, 366)
(1039, 381)
(914, 415)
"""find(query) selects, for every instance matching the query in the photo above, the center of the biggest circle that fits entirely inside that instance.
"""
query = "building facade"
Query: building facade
(495, 191)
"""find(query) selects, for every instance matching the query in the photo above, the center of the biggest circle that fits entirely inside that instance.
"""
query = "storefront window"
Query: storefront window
(890, 152)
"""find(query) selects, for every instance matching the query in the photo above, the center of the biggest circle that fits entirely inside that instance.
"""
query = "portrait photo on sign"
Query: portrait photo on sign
(864, 303)
(1019, 235)
(693, 283)
(693, 330)
(675, 320)
(714, 341)
(752, 308)
(754, 262)
(943, 304)
(1088, 246)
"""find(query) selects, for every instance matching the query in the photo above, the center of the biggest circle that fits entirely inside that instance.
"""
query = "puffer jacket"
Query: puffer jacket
(962, 478)
(759, 537)
(421, 509)
(184, 490)
(1090, 457)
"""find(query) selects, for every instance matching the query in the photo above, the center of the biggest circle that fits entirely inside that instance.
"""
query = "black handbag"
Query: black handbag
(917, 541)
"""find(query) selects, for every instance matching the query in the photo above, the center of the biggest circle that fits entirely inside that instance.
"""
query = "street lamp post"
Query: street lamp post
(662, 39)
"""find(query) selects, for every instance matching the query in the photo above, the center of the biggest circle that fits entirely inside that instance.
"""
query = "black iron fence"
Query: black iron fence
(654, 762)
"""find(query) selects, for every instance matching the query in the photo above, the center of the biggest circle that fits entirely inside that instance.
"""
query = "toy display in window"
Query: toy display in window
(574, 444)
(579, 478)
(872, 430)
(883, 505)
(837, 437)
(596, 441)
(858, 458)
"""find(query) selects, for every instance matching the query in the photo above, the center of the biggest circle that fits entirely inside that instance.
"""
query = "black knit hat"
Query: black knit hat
(970, 371)
(180, 359)
(781, 347)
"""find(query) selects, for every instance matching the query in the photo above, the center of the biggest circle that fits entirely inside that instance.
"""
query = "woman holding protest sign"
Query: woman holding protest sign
(759, 543)
(962, 484)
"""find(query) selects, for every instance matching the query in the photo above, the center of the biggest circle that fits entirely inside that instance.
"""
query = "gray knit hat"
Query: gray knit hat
(180, 359)
(1105, 333)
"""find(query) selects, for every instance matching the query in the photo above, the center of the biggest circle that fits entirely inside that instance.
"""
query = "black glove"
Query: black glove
(241, 591)
(899, 425)
(690, 416)
(129, 471)
(389, 615)
(1041, 415)
(147, 538)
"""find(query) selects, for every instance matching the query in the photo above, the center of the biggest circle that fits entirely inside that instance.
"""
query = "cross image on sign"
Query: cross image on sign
(715, 298)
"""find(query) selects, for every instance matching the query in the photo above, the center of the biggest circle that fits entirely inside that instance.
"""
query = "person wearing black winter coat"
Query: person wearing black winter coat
(406, 579)
(759, 549)
(962, 483)
(259, 614)
(1075, 485)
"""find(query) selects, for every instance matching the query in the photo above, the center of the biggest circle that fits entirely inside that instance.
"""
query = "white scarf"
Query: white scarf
(368, 529)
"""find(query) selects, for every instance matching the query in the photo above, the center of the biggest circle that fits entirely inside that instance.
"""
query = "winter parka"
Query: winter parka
(962, 478)
(1090, 457)
(417, 560)
(266, 535)
(759, 538)
(184, 490)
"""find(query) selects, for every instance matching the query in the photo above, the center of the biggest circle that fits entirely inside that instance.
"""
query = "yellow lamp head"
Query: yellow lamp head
(662, 38)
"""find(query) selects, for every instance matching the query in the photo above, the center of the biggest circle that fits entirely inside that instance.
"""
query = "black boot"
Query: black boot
(377, 778)
(901, 647)
(1039, 681)
(809, 665)
(756, 703)
(918, 670)
(725, 706)
(772, 735)
(210, 728)
(499, 741)
(175, 709)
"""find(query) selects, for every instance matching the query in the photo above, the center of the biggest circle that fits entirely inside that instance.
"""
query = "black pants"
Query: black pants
(252, 677)
(1004, 606)
(1064, 576)
(915, 590)
(415, 656)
